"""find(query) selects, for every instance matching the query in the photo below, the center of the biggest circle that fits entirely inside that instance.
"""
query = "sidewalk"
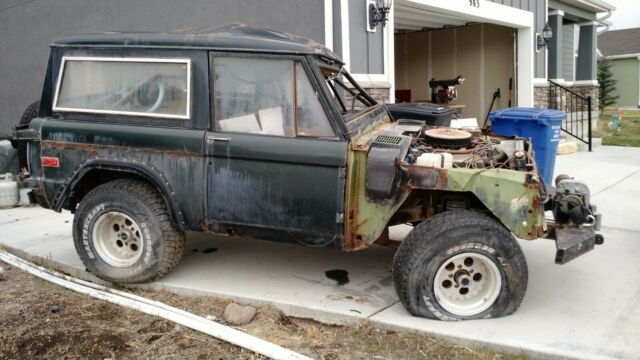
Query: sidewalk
(588, 308)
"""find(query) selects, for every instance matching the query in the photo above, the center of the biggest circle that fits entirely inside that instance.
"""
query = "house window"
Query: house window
(142, 87)
(259, 96)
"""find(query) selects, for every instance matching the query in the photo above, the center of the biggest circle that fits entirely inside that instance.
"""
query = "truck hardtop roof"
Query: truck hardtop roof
(236, 37)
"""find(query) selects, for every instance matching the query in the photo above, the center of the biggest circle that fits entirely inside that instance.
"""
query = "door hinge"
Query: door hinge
(340, 218)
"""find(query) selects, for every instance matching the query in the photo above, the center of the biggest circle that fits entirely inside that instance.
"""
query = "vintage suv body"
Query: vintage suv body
(254, 133)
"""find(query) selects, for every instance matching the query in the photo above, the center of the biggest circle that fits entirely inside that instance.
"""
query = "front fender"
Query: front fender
(513, 197)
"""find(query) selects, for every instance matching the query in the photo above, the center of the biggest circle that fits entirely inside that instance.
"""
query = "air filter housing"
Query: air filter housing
(382, 176)
(447, 137)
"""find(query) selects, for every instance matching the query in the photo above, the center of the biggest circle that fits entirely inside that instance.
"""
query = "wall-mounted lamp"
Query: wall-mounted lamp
(377, 13)
(543, 40)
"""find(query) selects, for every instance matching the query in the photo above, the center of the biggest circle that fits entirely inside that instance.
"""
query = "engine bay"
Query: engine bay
(444, 147)
(397, 153)
(409, 143)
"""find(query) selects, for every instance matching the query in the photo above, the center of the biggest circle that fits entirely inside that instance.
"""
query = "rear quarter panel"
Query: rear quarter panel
(175, 154)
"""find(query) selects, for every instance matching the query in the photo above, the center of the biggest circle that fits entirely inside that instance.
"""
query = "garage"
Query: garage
(437, 41)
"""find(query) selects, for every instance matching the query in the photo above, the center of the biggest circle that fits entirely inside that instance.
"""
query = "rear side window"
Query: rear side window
(267, 96)
(141, 87)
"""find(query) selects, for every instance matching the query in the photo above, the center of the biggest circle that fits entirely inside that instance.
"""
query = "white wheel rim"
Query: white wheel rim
(467, 284)
(117, 239)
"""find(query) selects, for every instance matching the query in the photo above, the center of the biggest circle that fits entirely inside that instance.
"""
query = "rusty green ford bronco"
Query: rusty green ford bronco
(253, 133)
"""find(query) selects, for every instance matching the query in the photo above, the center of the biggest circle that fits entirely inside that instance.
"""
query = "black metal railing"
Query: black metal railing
(578, 109)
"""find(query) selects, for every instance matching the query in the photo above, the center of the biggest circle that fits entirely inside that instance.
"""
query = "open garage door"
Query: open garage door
(431, 44)
(488, 43)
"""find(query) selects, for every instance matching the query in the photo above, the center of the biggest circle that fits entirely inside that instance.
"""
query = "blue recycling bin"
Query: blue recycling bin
(542, 126)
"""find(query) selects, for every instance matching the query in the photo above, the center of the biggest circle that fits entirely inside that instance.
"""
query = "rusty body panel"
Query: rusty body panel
(506, 193)
(161, 154)
(365, 220)
(513, 197)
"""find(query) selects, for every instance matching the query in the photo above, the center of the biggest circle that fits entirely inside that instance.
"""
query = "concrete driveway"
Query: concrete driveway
(588, 308)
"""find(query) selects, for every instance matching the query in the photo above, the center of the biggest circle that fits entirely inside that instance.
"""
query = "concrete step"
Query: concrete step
(569, 144)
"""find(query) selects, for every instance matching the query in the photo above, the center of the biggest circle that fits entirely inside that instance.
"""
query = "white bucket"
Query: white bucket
(8, 191)
(24, 197)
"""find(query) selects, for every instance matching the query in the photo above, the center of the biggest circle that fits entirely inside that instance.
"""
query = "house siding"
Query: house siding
(366, 48)
(569, 44)
(28, 29)
(627, 74)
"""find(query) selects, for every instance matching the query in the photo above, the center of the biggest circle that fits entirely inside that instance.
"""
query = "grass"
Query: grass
(629, 133)
(39, 320)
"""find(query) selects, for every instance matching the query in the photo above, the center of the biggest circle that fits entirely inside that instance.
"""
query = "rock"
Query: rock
(236, 314)
(211, 317)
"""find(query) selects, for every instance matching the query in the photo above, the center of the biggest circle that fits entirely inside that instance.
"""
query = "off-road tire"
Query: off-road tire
(29, 114)
(163, 244)
(430, 244)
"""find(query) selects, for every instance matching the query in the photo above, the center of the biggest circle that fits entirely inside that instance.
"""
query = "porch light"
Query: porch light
(543, 40)
(378, 13)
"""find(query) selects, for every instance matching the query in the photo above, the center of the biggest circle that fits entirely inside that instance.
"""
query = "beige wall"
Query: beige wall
(483, 54)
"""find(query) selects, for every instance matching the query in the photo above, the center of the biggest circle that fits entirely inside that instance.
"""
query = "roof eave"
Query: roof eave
(622, 56)
(595, 6)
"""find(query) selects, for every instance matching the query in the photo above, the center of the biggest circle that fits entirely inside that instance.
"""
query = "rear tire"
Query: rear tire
(460, 265)
(123, 233)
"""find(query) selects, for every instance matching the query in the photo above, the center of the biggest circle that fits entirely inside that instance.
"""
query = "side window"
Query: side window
(253, 95)
(143, 87)
(266, 96)
(310, 116)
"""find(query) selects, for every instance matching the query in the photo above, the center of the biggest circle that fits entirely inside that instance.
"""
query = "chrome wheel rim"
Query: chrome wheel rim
(117, 239)
(467, 284)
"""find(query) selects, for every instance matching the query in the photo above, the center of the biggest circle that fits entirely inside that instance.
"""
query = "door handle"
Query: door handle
(212, 139)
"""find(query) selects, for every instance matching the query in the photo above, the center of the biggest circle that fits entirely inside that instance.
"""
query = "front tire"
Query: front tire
(460, 265)
(123, 234)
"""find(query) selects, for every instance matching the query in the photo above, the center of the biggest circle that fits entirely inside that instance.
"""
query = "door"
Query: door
(275, 163)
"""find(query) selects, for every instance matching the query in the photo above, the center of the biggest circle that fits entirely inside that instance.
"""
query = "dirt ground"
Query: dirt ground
(39, 320)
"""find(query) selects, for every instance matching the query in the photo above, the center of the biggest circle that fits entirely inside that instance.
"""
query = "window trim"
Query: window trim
(186, 61)
(294, 59)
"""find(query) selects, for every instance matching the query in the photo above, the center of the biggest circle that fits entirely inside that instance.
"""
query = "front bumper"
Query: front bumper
(572, 242)
(576, 219)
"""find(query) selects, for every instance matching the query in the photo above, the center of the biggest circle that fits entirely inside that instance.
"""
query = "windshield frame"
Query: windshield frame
(351, 86)
(352, 120)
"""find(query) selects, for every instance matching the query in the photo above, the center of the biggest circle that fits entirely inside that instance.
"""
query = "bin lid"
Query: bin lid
(542, 116)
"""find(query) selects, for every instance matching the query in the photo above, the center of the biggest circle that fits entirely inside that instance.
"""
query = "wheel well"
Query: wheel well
(96, 177)
(425, 203)
(92, 179)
